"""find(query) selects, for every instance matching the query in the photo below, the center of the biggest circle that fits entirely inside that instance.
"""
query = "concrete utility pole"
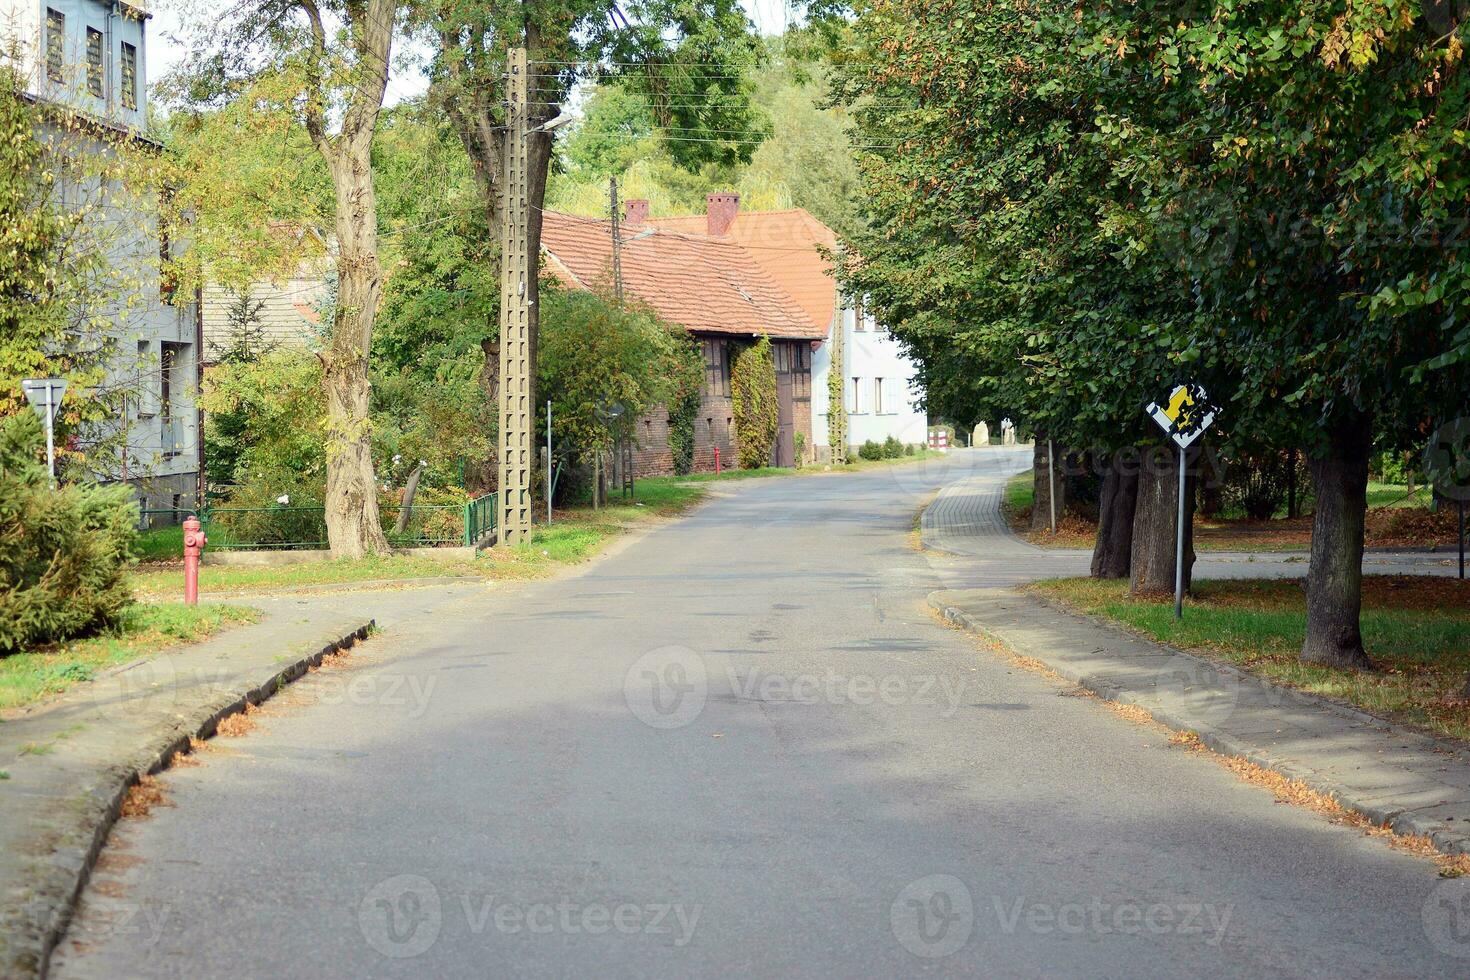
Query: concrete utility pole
(617, 241)
(516, 416)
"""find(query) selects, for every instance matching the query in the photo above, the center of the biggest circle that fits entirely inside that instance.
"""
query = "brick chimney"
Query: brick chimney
(636, 213)
(721, 210)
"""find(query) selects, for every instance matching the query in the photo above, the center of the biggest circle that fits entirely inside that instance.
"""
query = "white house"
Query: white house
(879, 380)
(88, 56)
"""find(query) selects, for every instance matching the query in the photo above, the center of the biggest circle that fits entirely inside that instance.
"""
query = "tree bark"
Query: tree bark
(1335, 577)
(1112, 556)
(1154, 525)
(405, 513)
(1041, 482)
(353, 526)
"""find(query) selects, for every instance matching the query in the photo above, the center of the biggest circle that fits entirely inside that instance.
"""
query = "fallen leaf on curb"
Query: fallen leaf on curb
(237, 724)
(140, 800)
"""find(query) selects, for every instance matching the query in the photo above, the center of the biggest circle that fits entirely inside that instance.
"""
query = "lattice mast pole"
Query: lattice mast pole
(516, 414)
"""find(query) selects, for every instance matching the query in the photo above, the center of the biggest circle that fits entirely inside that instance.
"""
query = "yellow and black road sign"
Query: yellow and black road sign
(1186, 415)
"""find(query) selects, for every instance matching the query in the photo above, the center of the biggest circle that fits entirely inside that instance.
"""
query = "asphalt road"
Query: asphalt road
(738, 746)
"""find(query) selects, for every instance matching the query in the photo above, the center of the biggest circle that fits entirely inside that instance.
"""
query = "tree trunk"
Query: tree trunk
(405, 513)
(1041, 482)
(353, 528)
(1154, 525)
(1112, 556)
(1335, 576)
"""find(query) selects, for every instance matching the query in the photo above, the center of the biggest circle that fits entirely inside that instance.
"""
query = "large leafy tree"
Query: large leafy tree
(689, 59)
(1331, 134)
(77, 207)
(326, 62)
(1001, 244)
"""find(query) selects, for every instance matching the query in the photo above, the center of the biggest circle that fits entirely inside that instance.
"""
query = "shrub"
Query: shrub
(1258, 483)
(892, 448)
(62, 552)
(595, 353)
(870, 450)
(908, 450)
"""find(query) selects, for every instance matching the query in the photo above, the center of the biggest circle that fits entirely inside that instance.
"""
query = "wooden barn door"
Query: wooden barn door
(785, 449)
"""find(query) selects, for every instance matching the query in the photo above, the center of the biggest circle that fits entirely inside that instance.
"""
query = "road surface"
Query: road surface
(739, 746)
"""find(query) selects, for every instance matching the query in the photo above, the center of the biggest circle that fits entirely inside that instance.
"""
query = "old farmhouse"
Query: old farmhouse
(723, 297)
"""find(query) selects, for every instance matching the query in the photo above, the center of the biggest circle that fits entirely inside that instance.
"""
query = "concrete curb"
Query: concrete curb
(32, 928)
(1448, 837)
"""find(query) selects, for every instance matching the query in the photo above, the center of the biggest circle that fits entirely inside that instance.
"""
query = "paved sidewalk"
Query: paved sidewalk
(72, 758)
(1414, 783)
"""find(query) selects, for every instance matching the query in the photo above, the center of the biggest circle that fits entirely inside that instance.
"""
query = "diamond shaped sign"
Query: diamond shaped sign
(1186, 416)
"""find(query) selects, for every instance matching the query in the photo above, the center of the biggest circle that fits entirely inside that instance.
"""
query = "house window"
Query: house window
(858, 320)
(146, 398)
(55, 44)
(129, 76)
(878, 406)
(94, 62)
(170, 359)
(855, 403)
(168, 284)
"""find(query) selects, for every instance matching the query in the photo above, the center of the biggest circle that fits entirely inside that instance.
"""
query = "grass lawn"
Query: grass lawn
(1416, 629)
(144, 628)
(160, 544)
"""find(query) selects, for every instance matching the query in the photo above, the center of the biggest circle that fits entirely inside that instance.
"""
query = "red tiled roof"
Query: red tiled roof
(705, 284)
(785, 244)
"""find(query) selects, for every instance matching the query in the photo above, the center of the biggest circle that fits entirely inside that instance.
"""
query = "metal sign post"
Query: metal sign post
(1051, 482)
(1184, 418)
(548, 462)
(45, 395)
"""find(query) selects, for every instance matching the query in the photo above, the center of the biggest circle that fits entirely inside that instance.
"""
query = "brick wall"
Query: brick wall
(651, 454)
(715, 426)
(714, 423)
(801, 412)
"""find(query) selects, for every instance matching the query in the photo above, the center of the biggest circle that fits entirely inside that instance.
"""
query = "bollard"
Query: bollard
(717, 461)
(193, 547)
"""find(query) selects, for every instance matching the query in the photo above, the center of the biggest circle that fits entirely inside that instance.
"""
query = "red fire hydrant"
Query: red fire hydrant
(193, 547)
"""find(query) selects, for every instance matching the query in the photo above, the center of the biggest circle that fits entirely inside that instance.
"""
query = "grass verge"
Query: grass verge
(144, 628)
(1416, 629)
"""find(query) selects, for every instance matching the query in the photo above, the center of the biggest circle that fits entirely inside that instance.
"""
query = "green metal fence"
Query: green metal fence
(479, 518)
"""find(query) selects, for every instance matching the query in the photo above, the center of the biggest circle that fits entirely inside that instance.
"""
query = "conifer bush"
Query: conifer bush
(63, 552)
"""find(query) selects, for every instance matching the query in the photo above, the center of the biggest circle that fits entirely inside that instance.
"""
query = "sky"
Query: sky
(163, 53)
